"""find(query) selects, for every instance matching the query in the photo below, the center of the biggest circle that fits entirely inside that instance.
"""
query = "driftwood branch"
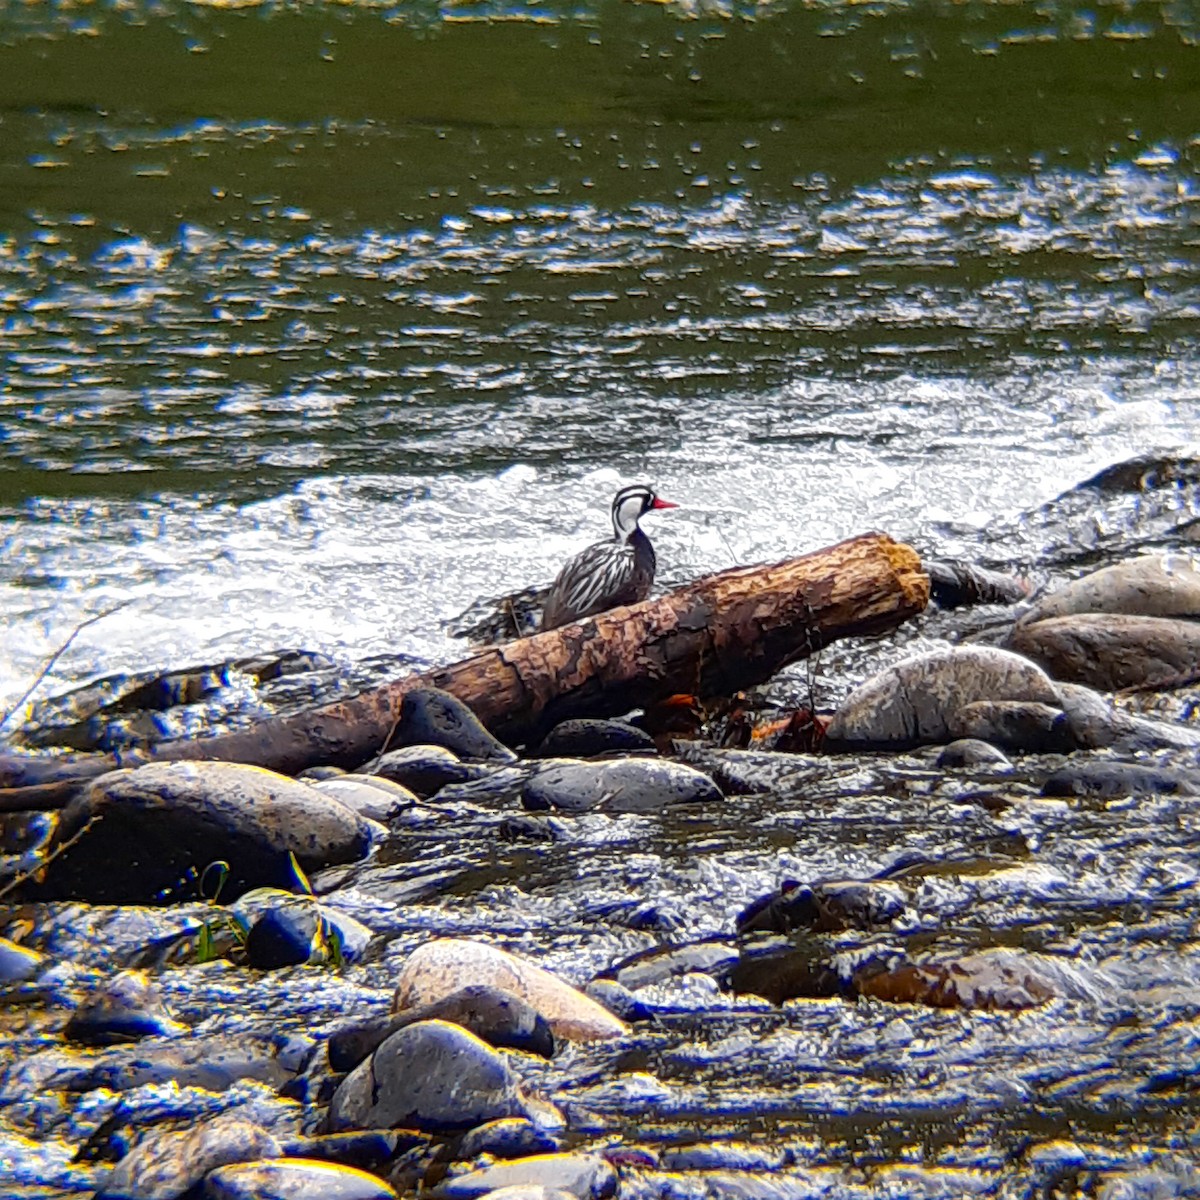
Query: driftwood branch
(717, 635)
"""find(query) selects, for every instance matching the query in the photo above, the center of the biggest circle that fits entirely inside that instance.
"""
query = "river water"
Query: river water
(321, 322)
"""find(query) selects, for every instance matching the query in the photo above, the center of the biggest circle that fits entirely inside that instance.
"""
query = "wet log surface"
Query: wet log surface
(723, 632)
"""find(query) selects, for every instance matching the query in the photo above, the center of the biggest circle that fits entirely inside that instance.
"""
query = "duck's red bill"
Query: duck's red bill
(663, 503)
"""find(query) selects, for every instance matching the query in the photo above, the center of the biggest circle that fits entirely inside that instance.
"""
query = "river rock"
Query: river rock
(1111, 651)
(294, 1179)
(972, 752)
(912, 702)
(126, 1008)
(498, 1017)
(145, 835)
(165, 1164)
(18, 963)
(1097, 725)
(1166, 585)
(513, 1137)
(425, 770)
(586, 737)
(825, 907)
(431, 1075)
(430, 716)
(297, 930)
(583, 1176)
(1022, 725)
(623, 785)
(214, 1062)
(370, 796)
(988, 979)
(439, 968)
(1109, 779)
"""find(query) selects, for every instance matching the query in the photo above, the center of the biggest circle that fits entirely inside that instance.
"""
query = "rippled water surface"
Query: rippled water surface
(320, 322)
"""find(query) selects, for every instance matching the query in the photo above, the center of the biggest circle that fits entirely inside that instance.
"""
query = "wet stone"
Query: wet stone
(513, 1137)
(988, 979)
(972, 752)
(165, 1164)
(1108, 779)
(294, 1179)
(425, 770)
(297, 930)
(18, 963)
(375, 798)
(618, 999)
(1150, 586)
(1024, 726)
(146, 835)
(587, 737)
(432, 717)
(431, 1075)
(491, 1013)
(790, 971)
(913, 702)
(660, 963)
(1112, 651)
(627, 785)
(439, 968)
(825, 907)
(126, 1008)
(584, 1176)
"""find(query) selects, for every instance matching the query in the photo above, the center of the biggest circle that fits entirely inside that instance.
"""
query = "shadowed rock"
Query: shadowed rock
(432, 717)
(147, 835)
(623, 785)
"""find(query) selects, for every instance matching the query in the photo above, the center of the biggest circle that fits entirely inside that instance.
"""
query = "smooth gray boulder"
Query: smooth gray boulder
(914, 702)
(622, 785)
(585, 1176)
(294, 1179)
(431, 1075)
(1027, 726)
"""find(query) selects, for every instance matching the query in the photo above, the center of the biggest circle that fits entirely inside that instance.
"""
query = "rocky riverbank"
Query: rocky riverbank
(919, 919)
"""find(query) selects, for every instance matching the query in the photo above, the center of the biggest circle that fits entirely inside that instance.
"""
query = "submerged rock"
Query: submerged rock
(432, 717)
(146, 835)
(165, 1164)
(126, 1008)
(294, 1179)
(623, 785)
(442, 967)
(989, 979)
(825, 907)
(495, 1015)
(1108, 779)
(431, 1075)
(1111, 651)
(915, 701)
(512, 1137)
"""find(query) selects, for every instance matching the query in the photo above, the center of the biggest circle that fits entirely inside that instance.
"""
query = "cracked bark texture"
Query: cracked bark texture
(716, 635)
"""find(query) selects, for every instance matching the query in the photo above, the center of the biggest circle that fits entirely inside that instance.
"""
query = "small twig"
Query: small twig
(41, 675)
(62, 848)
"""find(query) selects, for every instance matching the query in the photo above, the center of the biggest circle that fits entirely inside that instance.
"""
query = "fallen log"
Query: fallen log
(717, 635)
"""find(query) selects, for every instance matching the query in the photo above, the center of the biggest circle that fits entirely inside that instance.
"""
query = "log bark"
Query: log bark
(715, 636)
